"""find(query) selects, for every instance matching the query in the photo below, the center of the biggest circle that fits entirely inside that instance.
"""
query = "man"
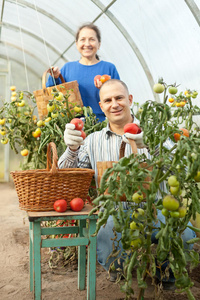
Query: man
(104, 145)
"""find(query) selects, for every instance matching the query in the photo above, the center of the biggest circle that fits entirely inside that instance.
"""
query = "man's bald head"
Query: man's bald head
(111, 82)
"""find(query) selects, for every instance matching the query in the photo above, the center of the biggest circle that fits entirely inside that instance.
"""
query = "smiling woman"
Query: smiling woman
(88, 41)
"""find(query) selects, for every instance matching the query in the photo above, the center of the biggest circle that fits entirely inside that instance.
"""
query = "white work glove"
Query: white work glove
(138, 138)
(72, 137)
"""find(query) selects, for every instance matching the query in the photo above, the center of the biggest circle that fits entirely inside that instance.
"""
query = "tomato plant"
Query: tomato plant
(60, 205)
(173, 192)
(20, 127)
(76, 204)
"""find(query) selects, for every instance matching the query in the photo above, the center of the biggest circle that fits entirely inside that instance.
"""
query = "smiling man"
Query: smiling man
(104, 145)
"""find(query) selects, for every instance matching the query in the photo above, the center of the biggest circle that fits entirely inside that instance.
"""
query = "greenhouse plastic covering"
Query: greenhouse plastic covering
(144, 39)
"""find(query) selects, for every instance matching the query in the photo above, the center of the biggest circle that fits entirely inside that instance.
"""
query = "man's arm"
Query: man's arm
(75, 159)
(69, 159)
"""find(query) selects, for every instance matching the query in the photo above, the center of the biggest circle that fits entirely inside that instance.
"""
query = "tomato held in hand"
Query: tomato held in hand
(83, 134)
(97, 77)
(104, 78)
(60, 205)
(132, 128)
(76, 204)
(78, 123)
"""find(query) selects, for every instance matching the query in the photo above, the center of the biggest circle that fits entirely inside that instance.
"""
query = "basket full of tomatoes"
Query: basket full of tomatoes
(38, 189)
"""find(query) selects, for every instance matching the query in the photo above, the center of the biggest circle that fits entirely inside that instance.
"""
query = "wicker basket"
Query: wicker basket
(37, 190)
(102, 166)
(44, 95)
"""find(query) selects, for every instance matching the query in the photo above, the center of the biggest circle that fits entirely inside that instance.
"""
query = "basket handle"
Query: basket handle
(52, 167)
(44, 79)
(123, 145)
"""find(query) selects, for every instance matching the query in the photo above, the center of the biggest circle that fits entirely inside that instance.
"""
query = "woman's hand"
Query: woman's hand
(98, 83)
(54, 71)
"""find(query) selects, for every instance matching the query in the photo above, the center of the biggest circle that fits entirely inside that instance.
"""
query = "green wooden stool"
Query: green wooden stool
(84, 237)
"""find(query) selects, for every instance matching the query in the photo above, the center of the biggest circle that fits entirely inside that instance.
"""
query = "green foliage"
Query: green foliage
(21, 123)
(159, 123)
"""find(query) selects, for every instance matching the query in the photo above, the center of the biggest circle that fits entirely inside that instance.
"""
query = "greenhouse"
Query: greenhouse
(51, 54)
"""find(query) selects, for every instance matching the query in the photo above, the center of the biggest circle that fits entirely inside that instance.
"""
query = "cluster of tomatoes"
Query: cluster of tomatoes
(17, 102)
(102, 78)
(175, 100)
(76, 204)
(171, 205)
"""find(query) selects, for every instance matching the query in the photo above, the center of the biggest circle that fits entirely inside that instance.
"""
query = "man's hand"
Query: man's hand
(54, 71)
(72, 137)
(138, 138)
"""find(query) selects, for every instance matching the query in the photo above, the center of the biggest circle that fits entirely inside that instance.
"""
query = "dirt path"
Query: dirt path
(56, 284)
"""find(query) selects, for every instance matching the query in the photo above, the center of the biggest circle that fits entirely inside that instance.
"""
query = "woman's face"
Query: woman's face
(87, 43)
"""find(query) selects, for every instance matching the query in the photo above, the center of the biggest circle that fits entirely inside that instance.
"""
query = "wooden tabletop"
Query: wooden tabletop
(37, 214)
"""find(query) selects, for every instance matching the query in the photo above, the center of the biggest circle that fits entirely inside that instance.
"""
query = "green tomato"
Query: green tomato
(50, 107)
(170, 203)
(3, 131)
(21, 103)
(182, 211)
(172, 90)
(138, 212)
(172, 181)
(175, 190)
(54, 115)
(4, 141)
(40, 123)
(134, 226)
(194, 96)
(59, 96)
(165, 212)
(158, 88)
(174, 214)
(2, 121)
(136, 243)
(137, 198)
(197, 177)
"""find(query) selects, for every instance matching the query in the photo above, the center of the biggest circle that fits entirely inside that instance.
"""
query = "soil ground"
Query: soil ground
(59, 283)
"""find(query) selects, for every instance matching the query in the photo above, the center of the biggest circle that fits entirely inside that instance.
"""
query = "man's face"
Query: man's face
(115, 103)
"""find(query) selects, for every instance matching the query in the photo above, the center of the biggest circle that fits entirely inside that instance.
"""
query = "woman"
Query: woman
(88, 41)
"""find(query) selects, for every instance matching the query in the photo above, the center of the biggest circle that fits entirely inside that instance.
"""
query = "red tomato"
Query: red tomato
(177, 136)
(104, 78)
(78, 123)
(97, 77)
(132, 128)
(76, 204)
(60, 205)
(83, 134)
